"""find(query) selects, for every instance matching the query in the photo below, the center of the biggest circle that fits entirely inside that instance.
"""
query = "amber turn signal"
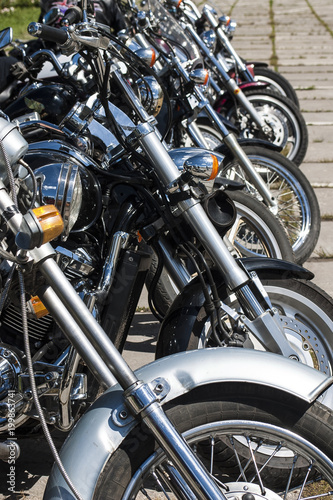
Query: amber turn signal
(215, 167)
(203, 165)
(50, 221)
(37, 308)
(39, 225)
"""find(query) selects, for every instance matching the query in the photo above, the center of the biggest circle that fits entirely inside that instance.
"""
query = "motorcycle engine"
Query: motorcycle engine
(47, 342)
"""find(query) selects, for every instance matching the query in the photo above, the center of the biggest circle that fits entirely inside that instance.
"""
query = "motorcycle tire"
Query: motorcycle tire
(286, 120)
(250, 439)
(256, 231)
(305, 311)
(277, 82)
(297, 209)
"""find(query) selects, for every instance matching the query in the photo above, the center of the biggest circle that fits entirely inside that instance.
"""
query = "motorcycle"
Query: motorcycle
(227, 445)
(262, 171)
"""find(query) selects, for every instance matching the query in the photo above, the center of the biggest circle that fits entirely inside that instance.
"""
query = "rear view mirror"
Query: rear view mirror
(6, 37)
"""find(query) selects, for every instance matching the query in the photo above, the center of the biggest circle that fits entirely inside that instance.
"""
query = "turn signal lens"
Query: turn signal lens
(39, 225)
(50, 221)
(174, 3)
(199, 76)
(203, 165)
(215, 168)
(36, 306)
(148, 55)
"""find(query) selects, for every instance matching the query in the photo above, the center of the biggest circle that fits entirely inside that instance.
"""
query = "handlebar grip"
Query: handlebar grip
(72, 16)
(49, 33)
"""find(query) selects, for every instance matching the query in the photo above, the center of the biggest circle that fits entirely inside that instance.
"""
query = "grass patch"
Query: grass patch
(318, 488)
(142, 309)
(18, 19)
(321, 253)
(274, 58)
(320, 19)
(327, 217)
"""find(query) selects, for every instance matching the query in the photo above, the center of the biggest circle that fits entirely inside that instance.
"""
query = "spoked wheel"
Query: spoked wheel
(250, 447)
(281, 115)
(277, 82)
(297, 205)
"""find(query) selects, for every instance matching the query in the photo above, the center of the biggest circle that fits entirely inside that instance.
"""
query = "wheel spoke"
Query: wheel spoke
(255, 464)
(290, 476)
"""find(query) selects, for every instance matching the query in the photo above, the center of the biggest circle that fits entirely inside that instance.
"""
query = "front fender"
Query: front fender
(258, 64)
(267, 268)
(97, 436)
(253, 85)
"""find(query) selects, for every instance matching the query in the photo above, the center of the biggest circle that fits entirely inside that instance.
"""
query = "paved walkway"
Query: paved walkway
(304, 47)
(299, 36)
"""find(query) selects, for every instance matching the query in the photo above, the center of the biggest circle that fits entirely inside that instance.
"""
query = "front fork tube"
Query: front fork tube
(203, 488)
(196, 135)
(254, 177)
(231, 142)
(192, 210)
(175, 268)
(241, 66)
(229, 83)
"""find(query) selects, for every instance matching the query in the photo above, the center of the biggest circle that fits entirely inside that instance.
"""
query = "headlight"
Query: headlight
(60, 185)
(151, 94)
(209, 38)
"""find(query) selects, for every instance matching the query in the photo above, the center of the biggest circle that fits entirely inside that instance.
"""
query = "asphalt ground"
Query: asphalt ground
(300, 35)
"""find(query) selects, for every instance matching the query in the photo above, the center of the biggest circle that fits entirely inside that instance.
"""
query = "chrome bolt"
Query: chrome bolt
(123, 414)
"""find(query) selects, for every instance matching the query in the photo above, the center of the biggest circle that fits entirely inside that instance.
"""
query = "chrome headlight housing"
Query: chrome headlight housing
(151, 94)
(60, 185)
(209, 38)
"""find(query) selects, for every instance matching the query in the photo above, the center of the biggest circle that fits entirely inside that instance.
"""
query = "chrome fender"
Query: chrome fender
(100, 431)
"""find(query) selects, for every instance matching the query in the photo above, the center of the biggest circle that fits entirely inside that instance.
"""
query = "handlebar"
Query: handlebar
(48, 33)
(72, 16)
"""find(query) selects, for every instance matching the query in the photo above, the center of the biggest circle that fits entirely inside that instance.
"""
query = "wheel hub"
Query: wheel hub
(249, 491)
(306, 344)
(276, 122)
